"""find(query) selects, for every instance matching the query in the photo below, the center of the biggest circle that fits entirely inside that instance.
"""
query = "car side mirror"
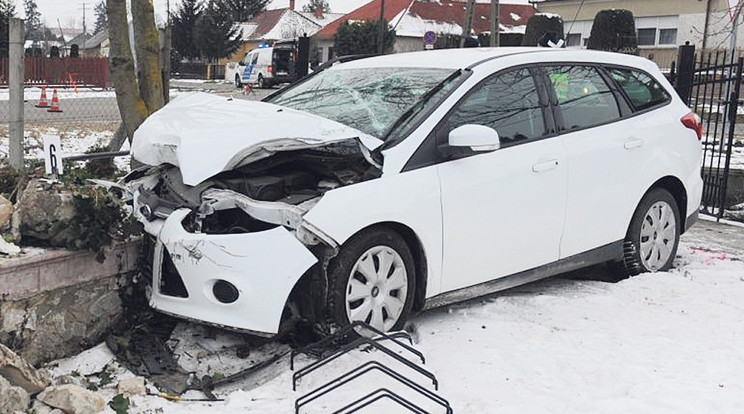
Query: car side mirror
(241, 63)
(478, 138)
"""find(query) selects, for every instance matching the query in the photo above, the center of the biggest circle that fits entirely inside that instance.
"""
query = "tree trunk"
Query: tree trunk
(147, 48)
(121, 63)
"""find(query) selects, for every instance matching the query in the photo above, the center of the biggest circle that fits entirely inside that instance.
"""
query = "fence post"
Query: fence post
(685, 71)
(15, 90)
(303, 56)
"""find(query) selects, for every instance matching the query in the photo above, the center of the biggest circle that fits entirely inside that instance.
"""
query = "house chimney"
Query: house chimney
(291, 4)
(319, 11)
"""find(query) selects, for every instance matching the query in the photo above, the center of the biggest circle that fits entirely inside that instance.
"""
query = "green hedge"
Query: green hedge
(614, 31)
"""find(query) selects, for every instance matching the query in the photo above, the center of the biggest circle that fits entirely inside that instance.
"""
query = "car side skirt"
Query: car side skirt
(606, 253)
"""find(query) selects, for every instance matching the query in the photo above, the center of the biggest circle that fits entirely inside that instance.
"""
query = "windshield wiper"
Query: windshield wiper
(412, 109)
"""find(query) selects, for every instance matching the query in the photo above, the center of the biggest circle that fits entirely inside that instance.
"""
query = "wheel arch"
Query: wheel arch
(675, 186)
(315, 279)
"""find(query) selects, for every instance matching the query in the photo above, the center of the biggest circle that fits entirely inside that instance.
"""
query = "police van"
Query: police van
(265, 66)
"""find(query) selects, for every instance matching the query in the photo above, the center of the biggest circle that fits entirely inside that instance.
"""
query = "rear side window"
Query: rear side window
(642, 90)
(508, 103)
(583, 96)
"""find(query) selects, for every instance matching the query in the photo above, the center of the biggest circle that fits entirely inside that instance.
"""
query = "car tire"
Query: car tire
(357, 289)
(238, 83)
(261, 83)
(653, 236)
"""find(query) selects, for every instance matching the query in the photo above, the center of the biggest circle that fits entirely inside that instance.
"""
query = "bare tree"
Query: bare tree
(137, 95)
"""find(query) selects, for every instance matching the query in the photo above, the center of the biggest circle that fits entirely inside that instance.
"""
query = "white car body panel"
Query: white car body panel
(411, 199)
(205, 134)
(493, 205)
(263, 266)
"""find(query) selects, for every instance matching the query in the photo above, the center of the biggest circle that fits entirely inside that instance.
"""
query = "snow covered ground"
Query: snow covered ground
(668, 342)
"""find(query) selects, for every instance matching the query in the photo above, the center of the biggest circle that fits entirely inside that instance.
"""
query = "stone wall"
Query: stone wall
(58, 303)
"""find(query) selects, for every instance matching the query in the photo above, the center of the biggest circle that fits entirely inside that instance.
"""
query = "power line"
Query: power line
(574, 18)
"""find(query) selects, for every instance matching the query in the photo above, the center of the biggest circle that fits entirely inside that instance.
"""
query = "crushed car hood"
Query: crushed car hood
(204, 134)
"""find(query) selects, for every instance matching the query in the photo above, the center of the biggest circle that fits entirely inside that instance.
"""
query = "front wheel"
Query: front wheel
(372, 280)
(238, 83)
(653, 237)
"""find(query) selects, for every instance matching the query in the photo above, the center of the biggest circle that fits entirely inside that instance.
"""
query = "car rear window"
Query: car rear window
(642, 90)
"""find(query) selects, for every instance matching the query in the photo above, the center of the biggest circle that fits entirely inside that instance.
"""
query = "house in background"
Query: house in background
(97, 46)
(279, 24)
(662, 25)
(411, 19)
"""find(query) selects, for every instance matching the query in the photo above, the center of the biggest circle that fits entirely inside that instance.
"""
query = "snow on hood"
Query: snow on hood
(205, 134)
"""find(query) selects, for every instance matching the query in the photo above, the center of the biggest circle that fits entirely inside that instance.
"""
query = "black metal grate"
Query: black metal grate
(340, 342)
(714, 95)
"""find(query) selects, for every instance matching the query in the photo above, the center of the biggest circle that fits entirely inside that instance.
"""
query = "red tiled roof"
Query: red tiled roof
(370, 11)
(454, 12)
(266, 21)
(449, 11)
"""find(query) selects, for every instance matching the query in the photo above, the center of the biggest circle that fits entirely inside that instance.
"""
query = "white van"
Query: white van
(264, 67)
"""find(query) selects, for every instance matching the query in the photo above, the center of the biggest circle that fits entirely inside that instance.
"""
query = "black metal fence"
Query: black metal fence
(710, 83)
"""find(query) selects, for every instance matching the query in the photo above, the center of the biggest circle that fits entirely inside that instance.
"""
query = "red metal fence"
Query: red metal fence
(70, 72)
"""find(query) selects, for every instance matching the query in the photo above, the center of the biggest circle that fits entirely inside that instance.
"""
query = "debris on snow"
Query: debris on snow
(72, 399)
(89, 362)
(12, 398)
(132, 386)
(20, 373)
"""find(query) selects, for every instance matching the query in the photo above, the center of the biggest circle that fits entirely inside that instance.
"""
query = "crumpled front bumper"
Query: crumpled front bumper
(263, 266)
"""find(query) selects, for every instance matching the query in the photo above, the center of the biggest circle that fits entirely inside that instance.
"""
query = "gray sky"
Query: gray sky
(70, 12)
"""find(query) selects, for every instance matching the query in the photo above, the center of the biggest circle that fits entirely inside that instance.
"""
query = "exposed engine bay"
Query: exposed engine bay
(289, 182)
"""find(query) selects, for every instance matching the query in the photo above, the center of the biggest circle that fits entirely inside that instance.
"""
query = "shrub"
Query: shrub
(614, 31)
(360, 38)
(541, 24)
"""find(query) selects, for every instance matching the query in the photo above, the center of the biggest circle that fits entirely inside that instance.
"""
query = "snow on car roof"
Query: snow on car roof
(462, 58)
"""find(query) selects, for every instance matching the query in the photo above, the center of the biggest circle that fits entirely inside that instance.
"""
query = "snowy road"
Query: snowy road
(657, 343)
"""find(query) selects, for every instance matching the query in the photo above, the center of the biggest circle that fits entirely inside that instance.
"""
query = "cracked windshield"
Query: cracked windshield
(370, 100)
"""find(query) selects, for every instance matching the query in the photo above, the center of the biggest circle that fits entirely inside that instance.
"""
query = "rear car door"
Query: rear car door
(607, 151)
(502, 210)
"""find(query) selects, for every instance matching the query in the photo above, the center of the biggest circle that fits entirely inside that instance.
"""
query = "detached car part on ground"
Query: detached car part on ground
(384, 185)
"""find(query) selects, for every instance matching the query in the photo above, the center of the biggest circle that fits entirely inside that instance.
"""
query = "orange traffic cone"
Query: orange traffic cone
(55, 103)
(43, 101)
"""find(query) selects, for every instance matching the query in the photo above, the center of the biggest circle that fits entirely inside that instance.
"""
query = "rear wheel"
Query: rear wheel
(653, 237)
(372, 280)
(261, 82)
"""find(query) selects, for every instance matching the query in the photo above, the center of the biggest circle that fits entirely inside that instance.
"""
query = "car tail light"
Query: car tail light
(693, 121)
(270, 70)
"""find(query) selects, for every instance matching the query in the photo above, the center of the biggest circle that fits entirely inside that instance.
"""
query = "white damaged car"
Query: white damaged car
(381, 186)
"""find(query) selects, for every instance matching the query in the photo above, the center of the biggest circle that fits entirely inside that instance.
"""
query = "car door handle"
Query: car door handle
(545, 166)
(633, 143)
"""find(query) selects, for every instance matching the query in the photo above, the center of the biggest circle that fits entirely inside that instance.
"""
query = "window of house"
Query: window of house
(647, 37)
(573, 39)
(642, 90)
(583, 96)
(668, 36)
(508, 103)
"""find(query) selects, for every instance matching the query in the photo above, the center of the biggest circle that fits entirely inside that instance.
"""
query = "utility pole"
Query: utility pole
(735, 28)
(383, 24)
(495, 23)
(468, 27)
(167, 12)
(84, 31)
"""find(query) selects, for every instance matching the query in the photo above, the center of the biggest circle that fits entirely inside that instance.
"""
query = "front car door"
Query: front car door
(503, 211)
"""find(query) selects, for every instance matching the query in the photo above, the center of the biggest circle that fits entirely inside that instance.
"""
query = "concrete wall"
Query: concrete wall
(687, 16)
(60, 302)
